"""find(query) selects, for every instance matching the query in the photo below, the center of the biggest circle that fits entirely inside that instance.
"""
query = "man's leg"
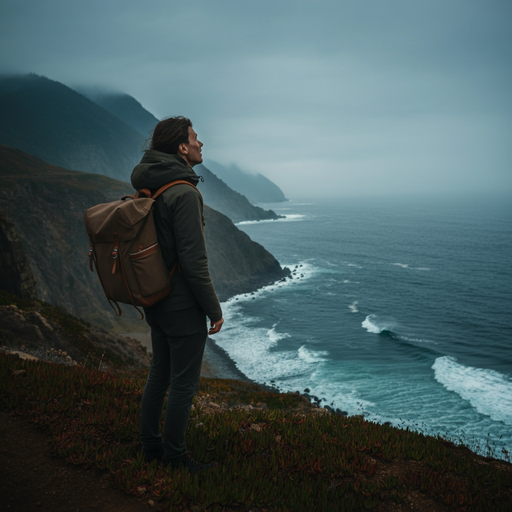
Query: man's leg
(186, 357)
(178, 339)
(154, 394)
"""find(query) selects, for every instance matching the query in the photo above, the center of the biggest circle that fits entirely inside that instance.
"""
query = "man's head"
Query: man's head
(175, 136)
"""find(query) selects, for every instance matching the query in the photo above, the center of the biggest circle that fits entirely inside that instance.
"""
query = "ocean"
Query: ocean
(397, 309)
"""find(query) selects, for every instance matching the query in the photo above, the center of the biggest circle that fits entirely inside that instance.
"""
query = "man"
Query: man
(178, 322)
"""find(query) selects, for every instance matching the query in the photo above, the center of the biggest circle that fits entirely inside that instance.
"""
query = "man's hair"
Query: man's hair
(169, 134)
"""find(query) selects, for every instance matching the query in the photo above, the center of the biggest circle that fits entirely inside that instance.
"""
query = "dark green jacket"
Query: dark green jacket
(178, 214)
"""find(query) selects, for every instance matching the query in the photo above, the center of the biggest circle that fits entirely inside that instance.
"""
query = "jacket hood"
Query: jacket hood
(156, 169)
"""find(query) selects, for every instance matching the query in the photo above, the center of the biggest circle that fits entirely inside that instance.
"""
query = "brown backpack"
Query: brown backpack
(125, 251)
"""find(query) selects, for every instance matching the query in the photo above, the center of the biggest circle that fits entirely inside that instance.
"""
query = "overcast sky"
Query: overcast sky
(323, 97)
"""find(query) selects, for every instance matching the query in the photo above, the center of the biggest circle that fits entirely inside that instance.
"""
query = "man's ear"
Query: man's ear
(182, 148)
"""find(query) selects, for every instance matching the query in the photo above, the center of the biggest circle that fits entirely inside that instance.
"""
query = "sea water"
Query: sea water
(399, 309)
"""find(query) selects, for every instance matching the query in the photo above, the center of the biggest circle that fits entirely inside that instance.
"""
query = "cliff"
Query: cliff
(255, 187)
(15, 273)
(46, 205)
(237, 264)
(221, 197)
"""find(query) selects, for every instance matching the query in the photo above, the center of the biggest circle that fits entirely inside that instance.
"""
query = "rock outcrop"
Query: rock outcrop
(47, 333)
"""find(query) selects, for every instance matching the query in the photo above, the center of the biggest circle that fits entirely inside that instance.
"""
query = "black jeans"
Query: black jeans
(178, 339)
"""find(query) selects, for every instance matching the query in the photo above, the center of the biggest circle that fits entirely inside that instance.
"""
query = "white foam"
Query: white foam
(488, 391)
(376, 324)
(405, 265)
(312, 356)
(300, 271)
(353, 307)
(275, 336)
(251, 349)
(417, 340)
(287, 218)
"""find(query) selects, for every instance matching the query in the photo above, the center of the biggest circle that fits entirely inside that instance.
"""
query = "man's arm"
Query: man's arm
(191, 249)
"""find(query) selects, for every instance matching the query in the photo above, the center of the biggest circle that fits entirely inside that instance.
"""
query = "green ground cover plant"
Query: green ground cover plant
(274, 457)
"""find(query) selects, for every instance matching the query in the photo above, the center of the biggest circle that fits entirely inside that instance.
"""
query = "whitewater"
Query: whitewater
(396, 309)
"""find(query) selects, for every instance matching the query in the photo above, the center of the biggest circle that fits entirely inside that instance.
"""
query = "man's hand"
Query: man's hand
(215, 326)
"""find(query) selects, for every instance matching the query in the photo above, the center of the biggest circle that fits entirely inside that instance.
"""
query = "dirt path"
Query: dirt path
(31, 479)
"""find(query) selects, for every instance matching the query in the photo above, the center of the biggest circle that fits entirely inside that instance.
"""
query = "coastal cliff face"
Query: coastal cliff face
(46, 205)
(237, 264)
(222, 198)
(15, 273)
(255, 187)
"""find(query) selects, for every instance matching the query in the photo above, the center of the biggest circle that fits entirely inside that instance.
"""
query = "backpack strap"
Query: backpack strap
(162, 189)
(169, 185)
(92, 260)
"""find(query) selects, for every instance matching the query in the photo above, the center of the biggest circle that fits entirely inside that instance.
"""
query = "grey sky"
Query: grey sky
(323, 97)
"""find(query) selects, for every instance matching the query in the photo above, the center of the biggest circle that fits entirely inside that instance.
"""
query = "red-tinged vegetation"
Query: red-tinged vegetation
(272, 458)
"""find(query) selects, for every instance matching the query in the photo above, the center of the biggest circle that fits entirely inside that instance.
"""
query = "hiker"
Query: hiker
(178, 322)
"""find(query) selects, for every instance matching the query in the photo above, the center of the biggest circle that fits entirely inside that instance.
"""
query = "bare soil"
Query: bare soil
(31, 479)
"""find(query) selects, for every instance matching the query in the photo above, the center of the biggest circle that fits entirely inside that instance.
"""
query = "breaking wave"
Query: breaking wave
(286, 218)
(488, 391)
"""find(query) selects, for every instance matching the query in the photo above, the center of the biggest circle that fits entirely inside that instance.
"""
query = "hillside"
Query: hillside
(123, 106)
(45, 204)
(55, 123)
(34, 329)
(256, 187)
(221, 197)
(106, 136)
(268, 451)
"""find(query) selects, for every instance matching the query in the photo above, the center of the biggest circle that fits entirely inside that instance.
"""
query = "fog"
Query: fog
(326, 98)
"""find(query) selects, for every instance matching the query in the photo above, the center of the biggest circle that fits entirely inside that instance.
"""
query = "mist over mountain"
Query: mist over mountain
(123, 106)
(63, 127)
(256, 187)
(57, 124)
(44, 207)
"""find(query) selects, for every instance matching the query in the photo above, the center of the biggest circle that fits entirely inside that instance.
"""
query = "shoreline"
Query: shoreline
(217, 364)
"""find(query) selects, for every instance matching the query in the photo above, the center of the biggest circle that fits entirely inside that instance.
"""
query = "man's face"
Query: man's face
(191, 151)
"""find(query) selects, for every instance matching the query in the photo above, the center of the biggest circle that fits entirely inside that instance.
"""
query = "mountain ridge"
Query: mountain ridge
(123, 106)
(53, 122)
(256, 187)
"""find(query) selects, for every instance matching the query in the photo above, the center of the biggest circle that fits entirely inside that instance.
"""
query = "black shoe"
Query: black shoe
(150, 456)
(186, 462)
